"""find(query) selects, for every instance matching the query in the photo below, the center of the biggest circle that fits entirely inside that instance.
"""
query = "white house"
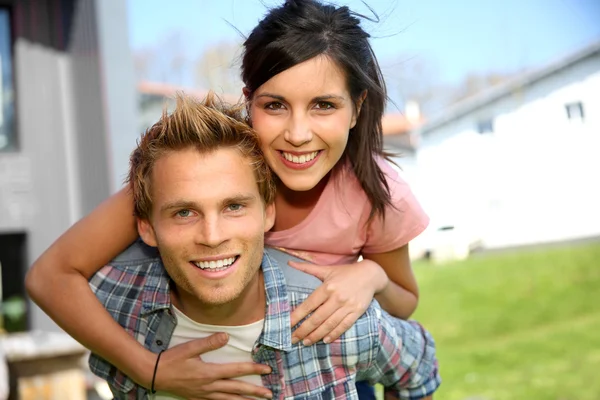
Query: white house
(520, 163)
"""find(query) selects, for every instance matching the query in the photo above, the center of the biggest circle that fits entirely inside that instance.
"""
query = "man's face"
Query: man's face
(208, 221)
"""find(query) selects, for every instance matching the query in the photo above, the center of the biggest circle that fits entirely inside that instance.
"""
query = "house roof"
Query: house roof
(398, 124)
(492, 94)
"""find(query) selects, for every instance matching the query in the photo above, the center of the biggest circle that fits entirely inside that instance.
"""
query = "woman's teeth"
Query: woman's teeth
(300, 159)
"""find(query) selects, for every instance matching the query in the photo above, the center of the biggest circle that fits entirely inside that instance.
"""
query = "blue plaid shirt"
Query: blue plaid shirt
(378, 348)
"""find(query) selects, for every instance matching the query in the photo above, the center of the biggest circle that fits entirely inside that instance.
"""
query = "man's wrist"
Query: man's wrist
(143, 369)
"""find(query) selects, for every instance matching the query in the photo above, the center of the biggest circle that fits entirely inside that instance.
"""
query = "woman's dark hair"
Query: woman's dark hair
(302, 29)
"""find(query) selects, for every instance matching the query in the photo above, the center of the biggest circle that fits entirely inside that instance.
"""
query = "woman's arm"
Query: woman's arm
(347, 291)
(58, 283)
(401, 295)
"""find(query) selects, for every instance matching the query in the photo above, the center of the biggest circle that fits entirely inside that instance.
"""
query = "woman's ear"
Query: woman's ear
(247, 96)
(359, 103)
(246, 93)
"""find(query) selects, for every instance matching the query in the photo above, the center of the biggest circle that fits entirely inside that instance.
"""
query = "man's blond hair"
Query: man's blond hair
(207, 125)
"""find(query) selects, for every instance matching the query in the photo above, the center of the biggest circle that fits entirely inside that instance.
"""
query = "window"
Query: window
(8, 139)
(575, 111)
(485, 126)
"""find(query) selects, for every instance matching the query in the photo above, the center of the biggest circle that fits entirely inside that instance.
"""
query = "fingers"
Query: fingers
(335, 333)
(318, 271)
(235, 370)
(318, 297)
(321, 323)
(229, 387)
(200, 346)
(221, 396)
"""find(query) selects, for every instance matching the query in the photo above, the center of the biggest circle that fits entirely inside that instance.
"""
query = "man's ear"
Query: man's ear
(269, 216)
(147, 232)
(359, 104)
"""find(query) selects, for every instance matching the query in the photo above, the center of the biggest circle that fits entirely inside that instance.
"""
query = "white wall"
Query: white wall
(535, 179)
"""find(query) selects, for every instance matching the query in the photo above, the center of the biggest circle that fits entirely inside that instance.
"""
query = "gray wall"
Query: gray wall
(75, 110)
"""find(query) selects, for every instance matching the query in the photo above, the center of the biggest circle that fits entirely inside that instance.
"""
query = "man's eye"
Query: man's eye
(184, 213)
(235, 207)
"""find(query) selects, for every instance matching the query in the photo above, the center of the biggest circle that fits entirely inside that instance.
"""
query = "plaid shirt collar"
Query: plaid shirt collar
(277, 331)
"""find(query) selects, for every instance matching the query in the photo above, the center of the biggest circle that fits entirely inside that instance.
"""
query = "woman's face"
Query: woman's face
(303, 116)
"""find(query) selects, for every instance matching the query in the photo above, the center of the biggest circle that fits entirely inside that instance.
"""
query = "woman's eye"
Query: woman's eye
(324, 105)
(184, 213)
(274, 106)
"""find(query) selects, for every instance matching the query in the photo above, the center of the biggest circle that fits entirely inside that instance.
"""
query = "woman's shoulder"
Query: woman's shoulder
(346, 179)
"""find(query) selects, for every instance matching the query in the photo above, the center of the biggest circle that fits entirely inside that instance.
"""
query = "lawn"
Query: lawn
(516, 325)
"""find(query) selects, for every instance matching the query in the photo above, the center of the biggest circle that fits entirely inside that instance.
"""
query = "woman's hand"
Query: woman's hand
(345, 294)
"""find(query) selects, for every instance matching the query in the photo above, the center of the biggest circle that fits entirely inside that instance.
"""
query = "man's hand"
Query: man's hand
(182, 372)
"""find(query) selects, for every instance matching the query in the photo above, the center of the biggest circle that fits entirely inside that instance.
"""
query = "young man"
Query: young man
(204, 198)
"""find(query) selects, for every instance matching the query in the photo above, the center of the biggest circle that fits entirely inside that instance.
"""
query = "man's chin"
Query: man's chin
(216, 296)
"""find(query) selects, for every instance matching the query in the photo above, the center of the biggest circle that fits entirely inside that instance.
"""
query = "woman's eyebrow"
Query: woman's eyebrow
(324, 97)
(271, 95)
(328, 97)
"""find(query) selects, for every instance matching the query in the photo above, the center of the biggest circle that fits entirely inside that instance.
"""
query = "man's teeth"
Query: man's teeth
(215, 264)
(300, 159)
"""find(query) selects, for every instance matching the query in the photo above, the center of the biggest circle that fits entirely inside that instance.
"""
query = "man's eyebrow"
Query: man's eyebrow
(178, 204)
(184, 204)
(240, 198)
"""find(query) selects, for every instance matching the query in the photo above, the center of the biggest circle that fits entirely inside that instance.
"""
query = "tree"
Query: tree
(166, 61)
(218, 68)
(414, 78)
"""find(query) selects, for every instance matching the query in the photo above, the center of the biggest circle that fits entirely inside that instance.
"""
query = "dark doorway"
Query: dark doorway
(13, 262)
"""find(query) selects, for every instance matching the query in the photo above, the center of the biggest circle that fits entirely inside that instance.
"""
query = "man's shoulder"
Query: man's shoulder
(137, 253)
(295, 280)
(137, 269)
(138, 259)
(300, 285)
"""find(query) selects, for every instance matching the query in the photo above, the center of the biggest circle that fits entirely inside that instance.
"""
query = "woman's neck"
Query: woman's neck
(293, 206)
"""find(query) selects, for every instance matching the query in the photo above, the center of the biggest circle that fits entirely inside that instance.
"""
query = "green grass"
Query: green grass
(516, 325)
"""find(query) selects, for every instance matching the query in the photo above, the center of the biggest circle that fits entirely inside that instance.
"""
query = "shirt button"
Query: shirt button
(159, 342)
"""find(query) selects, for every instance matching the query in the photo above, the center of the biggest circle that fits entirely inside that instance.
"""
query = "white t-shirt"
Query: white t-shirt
(238, 348)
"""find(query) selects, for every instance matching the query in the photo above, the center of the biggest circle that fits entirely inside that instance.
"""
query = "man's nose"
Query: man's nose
(211, 232)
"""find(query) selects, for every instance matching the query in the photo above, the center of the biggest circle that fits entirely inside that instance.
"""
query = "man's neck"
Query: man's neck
(247, 308)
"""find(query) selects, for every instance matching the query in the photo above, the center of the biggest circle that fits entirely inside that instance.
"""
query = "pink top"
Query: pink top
(337, 232)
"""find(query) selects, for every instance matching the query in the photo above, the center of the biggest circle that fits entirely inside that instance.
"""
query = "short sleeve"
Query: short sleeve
(402, 223)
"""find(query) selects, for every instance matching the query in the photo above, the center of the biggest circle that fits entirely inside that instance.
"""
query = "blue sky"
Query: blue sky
(459, 37)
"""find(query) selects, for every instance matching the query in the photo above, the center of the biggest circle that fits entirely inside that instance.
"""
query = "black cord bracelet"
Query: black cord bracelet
(154, 374)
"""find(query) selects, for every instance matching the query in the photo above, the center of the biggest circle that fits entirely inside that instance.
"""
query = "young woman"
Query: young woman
(315, 97)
